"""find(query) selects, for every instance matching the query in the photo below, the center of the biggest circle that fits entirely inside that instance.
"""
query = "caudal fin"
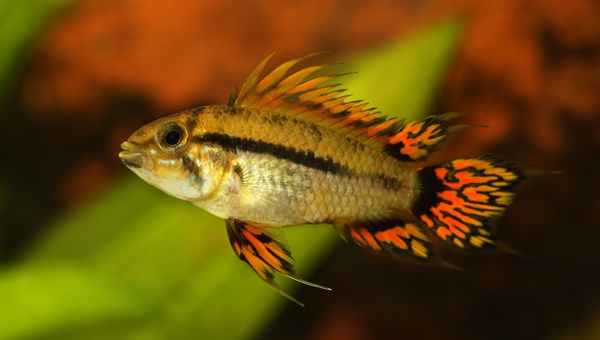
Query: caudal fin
(461, 199)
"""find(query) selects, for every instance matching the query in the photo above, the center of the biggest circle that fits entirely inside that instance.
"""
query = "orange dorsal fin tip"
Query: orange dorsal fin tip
(255, 84)
(233, 96)
(416, 141)
(251, 80)
(301, 94)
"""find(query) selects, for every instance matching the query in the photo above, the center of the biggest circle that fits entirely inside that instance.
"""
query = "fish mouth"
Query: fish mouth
(130, 156)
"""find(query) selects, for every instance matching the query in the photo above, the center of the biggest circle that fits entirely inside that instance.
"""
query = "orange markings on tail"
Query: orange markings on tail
(460, 199)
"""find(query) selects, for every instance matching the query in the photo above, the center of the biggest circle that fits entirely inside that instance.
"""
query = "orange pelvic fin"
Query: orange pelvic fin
(265, 251)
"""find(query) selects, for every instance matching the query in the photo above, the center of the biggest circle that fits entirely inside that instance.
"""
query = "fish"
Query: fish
(289, 148)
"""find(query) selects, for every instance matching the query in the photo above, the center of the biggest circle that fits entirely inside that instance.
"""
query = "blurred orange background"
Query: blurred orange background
(532, 68)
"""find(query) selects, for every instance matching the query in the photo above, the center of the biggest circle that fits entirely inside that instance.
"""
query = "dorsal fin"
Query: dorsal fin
(304, 97)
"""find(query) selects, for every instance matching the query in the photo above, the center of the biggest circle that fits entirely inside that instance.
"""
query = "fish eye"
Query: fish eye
(172, 138)
(171, 135)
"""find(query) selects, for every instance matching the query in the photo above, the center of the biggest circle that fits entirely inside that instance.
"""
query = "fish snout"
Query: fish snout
(131, 155)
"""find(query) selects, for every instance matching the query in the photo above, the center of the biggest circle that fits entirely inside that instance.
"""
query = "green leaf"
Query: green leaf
(177, 253)
(41, 299)
(180, 256)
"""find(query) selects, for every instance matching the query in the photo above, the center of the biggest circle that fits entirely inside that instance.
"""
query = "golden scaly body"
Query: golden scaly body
(274, 191)
(287, 150)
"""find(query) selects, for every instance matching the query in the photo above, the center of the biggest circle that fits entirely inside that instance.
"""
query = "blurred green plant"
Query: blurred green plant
(20, 23)
(134, 263)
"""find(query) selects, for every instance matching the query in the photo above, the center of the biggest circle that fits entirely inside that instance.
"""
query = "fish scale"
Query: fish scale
(284, 197)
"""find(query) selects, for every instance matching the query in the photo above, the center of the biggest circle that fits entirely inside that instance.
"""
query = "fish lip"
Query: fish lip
(130, 156)
(129, 146)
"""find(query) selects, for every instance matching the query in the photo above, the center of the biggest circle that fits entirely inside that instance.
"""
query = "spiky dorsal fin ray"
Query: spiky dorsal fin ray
(266, 252)
(304, 96)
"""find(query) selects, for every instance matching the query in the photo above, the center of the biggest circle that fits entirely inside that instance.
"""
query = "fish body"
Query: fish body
(277, 172)
(287, 150)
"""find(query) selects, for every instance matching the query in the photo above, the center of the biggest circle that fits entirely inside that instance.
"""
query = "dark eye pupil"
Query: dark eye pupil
(172, 138)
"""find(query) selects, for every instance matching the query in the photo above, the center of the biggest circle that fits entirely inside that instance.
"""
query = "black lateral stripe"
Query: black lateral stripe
(302, 157)
(306, 158)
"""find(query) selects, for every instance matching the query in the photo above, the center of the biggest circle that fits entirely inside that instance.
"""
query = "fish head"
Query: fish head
(163, 155)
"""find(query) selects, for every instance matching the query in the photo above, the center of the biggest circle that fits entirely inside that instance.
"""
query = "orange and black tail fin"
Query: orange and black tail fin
(460, 200)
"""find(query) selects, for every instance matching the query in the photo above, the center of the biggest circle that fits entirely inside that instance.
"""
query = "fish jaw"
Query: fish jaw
(137, 160)
(157, 174)
(133, 157)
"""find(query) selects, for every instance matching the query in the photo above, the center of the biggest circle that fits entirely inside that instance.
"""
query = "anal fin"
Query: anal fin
(265, 251)
(399, 238)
